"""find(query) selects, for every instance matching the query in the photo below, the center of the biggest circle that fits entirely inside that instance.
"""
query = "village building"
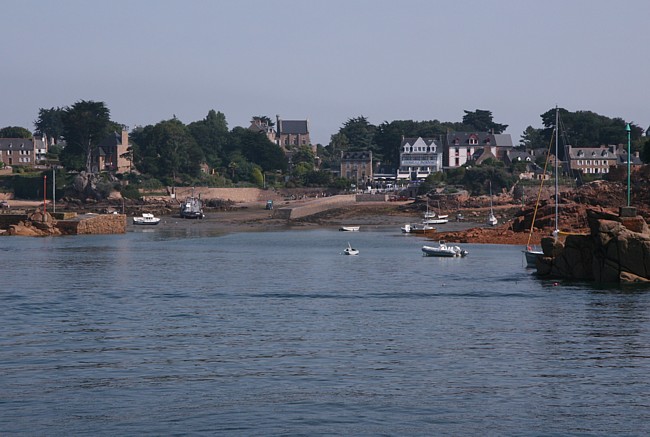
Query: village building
(419, 157)
(357, 167)
(112, 152)
(23, 151)
(264, 125)
(463, 147)
(291, 134)
(591, 160)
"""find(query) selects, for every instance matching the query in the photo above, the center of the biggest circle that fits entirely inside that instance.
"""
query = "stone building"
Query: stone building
(23, 151)
(291, 134)
(111, 153)
(357, 166)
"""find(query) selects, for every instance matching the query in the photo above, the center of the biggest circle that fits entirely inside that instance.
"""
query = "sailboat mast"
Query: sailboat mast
(557, 157)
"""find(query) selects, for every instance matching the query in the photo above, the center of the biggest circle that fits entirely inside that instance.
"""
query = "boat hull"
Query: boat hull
(444, 251)
(532, 256)
(145, 223)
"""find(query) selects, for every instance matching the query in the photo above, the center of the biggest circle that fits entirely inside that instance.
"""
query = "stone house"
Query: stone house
(23, 151)
(358, 167)
(591, 160)
(110, 154)
(260, 124)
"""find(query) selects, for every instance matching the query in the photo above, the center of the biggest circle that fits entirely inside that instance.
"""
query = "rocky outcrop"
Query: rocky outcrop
(617, 249)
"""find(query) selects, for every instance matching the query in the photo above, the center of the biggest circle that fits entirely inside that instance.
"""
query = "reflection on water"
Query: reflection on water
(182, 331)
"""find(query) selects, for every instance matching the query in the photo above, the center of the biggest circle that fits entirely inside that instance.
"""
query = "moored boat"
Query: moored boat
(417, 228)
(349, 228)
(444, 250)
(491, 220)
(350, 250)
(192, 208)
(146, 219)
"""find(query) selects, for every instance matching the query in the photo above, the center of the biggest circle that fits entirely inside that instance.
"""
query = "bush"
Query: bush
(130, 192)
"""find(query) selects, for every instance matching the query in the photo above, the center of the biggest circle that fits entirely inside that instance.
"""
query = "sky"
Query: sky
(326, 60)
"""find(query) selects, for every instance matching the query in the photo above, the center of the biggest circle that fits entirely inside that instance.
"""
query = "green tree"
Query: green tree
(481, 120)
(360, 134)
(50, 123)
(588, 129)
(256, 148)
(212, 135)
(15, 132)
(167, 151)
(85, 125)
(338, 143)
(645, 151)
(257, 177)
(303, 154)
(532, 139)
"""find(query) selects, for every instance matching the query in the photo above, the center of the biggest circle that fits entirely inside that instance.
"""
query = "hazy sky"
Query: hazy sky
(326, 60)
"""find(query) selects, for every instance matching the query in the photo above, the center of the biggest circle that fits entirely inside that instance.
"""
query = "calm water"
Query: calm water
(180, 332)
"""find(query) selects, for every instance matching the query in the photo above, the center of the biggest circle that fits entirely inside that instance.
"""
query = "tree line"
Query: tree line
(208, 152)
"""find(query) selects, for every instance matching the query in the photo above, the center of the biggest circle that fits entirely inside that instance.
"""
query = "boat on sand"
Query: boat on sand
(146, 219)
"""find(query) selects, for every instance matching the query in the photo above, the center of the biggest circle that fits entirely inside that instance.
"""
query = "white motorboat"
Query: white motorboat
(444, 250)
(349, 228)
(146, 219)
(350, 250)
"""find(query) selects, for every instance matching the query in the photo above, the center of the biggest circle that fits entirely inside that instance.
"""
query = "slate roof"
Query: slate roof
(295, 127)
(356, 156)
(412, 141)
(16, 144)
(483, 138)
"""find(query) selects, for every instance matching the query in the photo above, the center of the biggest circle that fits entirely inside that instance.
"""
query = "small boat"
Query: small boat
(417, 228)
(431, 218)
(491, 220)
(192, 208)
(349, 228)
(531, 254)
(440, 220)
(443, 250)
(350, 250)
(146, 219)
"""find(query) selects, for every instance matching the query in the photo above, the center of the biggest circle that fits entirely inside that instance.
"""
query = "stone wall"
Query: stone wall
(238, 195)
(314, 207)
(7, 220)
(94, 224)
(371, 197)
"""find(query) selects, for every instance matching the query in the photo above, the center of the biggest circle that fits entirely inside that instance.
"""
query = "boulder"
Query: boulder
(610, 253)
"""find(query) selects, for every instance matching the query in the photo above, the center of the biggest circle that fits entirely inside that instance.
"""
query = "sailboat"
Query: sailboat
(491, 220)
(430, 217)
(532, 253)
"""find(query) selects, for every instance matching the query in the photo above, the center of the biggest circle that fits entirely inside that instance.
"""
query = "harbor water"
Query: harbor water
(183, 332)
